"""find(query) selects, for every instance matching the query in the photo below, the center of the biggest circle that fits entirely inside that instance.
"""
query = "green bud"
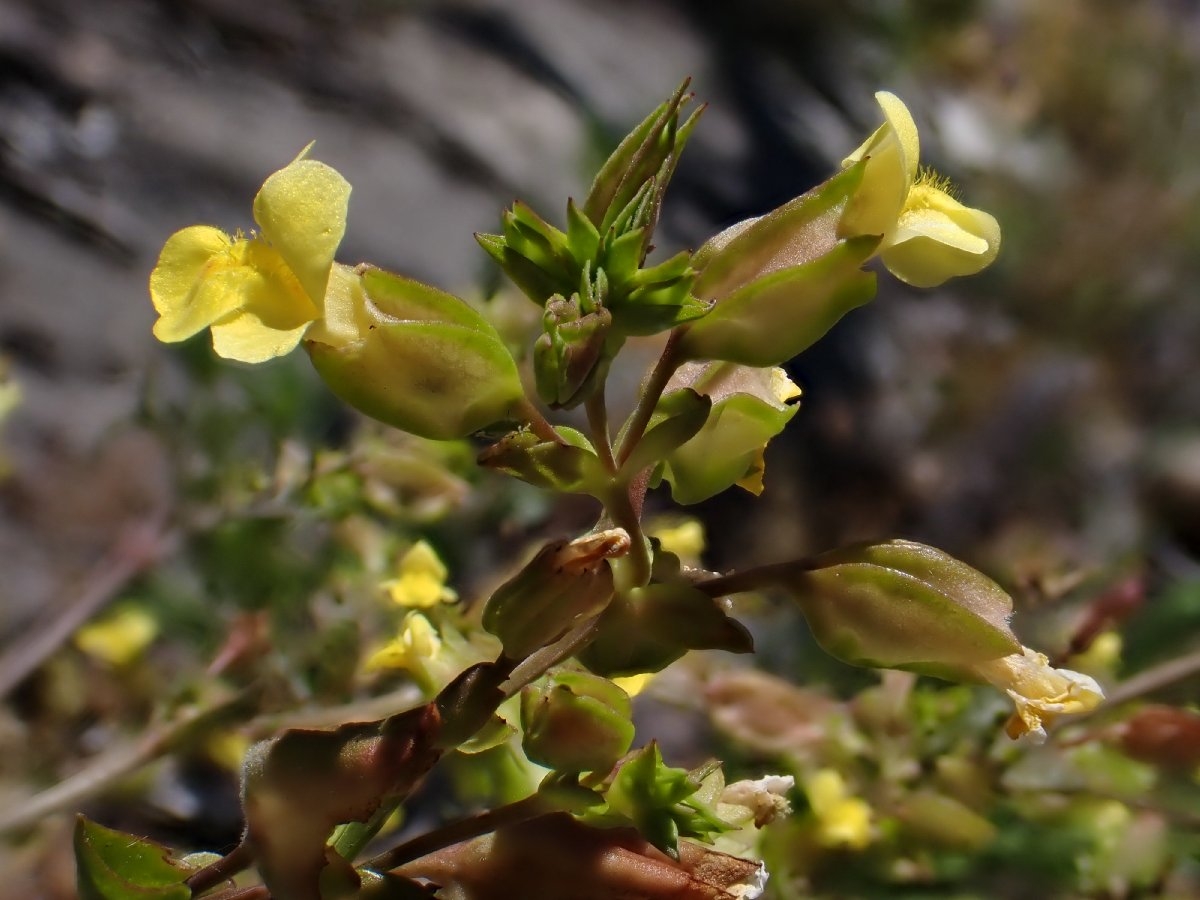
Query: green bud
(576, 722)
(564, 584)
(749, 408)
(568, 467)
(902, 605)
(569, 356)
(646, 629)
(412, 356)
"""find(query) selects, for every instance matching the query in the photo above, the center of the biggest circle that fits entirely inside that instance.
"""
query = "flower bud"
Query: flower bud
(576, 722)
(565, 583)
(901, 605)
(412, 356)
(570, 351)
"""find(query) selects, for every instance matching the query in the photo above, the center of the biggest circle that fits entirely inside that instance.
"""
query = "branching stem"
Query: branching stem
(457, 832)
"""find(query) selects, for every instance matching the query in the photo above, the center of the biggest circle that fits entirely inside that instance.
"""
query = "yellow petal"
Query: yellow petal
(937, 238)
(272, 313)
(179, 284)
(247, 338)
(422, 581)
(1039, 692)
(120, 638)
(416, 644)
(633, 684)
(301, 210)
(892, 155)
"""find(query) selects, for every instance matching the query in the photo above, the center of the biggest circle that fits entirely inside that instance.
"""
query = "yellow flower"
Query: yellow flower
(416, 645)
(259, 294)
(633, 684)
(422, 579)
(842, 819)
(682, 536)
(120, 638)
(1040, 692)
(928, 236)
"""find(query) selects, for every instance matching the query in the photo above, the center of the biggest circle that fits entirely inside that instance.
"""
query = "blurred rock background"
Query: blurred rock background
(1041, 421)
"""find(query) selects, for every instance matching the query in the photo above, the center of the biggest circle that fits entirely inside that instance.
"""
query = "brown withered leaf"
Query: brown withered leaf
(555, 857)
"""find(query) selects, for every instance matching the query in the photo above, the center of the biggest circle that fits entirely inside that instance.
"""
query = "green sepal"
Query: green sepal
(798, 232)
(779, 315)
(575, 722)
(537, 240)
(428, 363)
(903, 605)
(536, 284)
(622, 256)
(556, 590)
(648, 628)
(677, 419)
(112, 865)
(569, 468)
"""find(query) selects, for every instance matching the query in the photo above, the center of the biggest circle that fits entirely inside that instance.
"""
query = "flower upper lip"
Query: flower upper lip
(927, 235)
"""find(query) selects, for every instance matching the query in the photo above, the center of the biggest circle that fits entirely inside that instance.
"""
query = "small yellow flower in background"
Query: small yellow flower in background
(258, 295)
(119, 638)
(928, 236)
(421, 580)
(416, 645)
(228, 749)
(633, 684)
(1040, 692)
(843, 820)
(682, 536)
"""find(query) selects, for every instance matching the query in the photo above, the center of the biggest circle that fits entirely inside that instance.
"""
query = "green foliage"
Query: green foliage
(115, 866)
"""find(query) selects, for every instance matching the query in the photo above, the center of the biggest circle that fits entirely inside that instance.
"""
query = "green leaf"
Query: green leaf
(677, 420)
(571, 468)
(112, 865)
(658, 800)
(583, 238)
(638, 157)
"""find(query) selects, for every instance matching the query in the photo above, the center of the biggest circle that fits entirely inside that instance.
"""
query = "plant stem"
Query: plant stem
(633, 570)
(537, 423)
(123, 761)
(457, 832)
(752, 579)
(597, 413)
(1155, 678)
(236, 860)
(652, 390)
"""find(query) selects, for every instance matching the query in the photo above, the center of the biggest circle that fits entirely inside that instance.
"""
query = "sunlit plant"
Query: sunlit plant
(544, 666)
